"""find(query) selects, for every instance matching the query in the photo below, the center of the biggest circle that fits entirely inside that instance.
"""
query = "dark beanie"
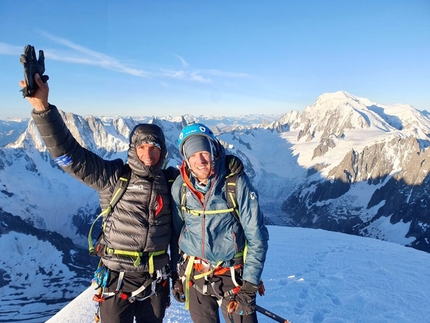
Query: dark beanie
(194, 144)
(148, 133)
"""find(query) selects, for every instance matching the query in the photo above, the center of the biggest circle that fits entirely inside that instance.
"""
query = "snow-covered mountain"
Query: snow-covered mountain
(367, 169)
(40, 271)
(343, 164)
(11, 129)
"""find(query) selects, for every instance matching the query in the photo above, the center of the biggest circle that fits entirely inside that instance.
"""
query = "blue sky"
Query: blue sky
(144, 58)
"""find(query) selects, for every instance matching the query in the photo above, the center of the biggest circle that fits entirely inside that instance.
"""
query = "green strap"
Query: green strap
(239, 254)
(138, 255)
(208, 272)
(231, 189)
(151, 262)
(231, 200)
(90, 240)
(187, 281)
(200, 212)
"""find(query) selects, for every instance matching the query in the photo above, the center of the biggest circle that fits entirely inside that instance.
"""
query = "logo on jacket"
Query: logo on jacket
(253, 195)
(63, 161)
(136, 187)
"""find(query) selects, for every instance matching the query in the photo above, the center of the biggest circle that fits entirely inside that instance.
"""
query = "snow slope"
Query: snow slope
(316, 276)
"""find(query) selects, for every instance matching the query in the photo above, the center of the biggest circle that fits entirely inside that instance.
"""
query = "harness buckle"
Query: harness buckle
(123, 296)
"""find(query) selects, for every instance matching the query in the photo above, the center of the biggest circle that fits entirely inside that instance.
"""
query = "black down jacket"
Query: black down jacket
(141, 221)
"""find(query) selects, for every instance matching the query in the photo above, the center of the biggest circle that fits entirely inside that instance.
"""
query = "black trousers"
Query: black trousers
(150, 310)
(204, 307)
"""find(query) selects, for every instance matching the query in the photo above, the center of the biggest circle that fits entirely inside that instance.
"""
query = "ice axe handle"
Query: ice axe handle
(273, 316)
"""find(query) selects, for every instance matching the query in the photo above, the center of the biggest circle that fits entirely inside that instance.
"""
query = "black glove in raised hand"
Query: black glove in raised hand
(177, 288)
(245, 299)
(234, 164)
(31, 67)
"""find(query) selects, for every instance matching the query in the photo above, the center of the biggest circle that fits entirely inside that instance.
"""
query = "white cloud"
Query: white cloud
(228, 74)
(77, 54)
(194, 76)
(6, 49)
(86, 56)
(184, 62)
(181, 75)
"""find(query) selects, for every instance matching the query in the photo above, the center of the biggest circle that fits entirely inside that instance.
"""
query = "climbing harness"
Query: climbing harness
(206, 271)
(101, 280)
(159, 276)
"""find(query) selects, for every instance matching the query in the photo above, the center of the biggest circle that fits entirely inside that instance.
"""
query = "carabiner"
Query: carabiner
(231, 306)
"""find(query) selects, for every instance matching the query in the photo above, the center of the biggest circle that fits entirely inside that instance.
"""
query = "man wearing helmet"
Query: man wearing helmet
(221, 255)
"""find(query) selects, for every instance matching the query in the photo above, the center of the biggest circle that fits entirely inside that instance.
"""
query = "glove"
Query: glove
(177, 288)
(31, 67)
(261, 288)
(234, 164)
(245, 299)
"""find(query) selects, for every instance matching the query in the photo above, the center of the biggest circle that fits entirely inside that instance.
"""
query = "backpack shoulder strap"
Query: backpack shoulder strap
(230, 192)
(118, 192)
(183, 198)
(120, 187)
(170, 173)
(230, 189)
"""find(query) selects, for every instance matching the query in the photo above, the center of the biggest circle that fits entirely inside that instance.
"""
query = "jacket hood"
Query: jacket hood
(146, 133)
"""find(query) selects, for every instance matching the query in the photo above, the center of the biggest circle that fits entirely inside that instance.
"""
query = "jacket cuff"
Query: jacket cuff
(248, 287)
(50, 106)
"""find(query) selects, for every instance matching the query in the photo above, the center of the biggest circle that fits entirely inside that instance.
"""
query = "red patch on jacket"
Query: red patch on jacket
(159, 204)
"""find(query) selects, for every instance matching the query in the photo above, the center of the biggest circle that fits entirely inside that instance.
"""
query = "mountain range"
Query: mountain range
(343, 164)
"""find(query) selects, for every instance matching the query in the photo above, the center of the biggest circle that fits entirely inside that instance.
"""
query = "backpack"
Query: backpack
(170, 174)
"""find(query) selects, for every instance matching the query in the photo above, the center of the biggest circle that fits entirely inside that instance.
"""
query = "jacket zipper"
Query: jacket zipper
(204, 203)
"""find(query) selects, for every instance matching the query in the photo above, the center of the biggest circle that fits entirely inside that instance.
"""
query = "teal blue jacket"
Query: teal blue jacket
(219, 237)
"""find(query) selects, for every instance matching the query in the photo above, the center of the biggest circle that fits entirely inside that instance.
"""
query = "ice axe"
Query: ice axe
(273, 316)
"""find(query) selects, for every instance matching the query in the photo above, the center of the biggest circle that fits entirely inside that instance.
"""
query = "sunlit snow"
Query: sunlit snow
(316, 276)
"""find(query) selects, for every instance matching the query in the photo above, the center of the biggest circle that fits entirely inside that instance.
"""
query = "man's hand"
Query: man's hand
(178, 288)
(233, 164)
(246, 299)
(40, 99)
(31, 67)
